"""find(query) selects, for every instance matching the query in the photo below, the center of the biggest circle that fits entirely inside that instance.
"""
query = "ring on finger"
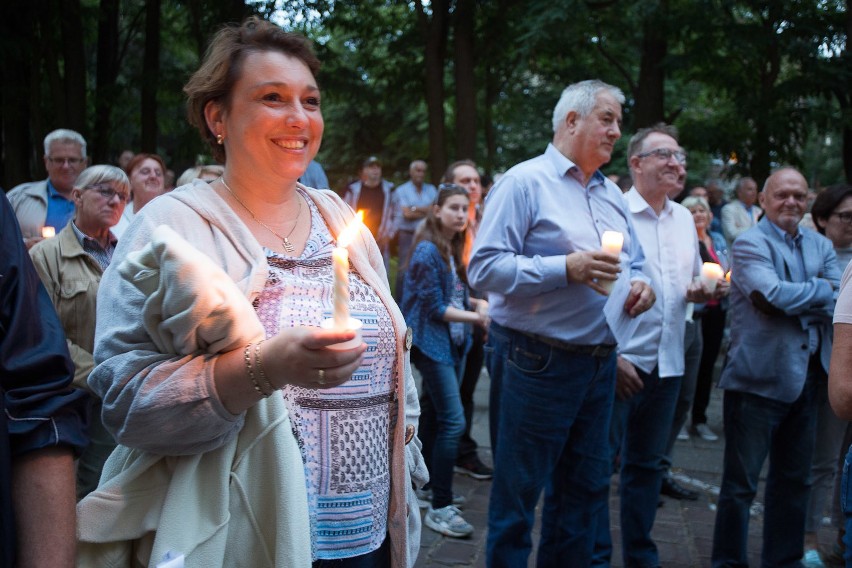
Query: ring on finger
(321, 373)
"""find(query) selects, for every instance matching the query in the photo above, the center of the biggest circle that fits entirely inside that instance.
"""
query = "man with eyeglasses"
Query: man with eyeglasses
(650, 365)
(48, 203)
(742, 213)
(551, 359)
(784, 282)
(70, 266)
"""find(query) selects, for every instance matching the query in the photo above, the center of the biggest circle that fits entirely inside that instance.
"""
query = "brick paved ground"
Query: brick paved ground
(683, 530)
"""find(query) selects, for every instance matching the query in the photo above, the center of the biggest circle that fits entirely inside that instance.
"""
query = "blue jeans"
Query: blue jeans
(754, 428)
(441, 422)
(640, 426)
(846, 507)
(554, 412)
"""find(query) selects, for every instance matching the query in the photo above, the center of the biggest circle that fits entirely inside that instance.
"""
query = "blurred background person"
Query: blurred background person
(372, 194)
(71, 265)
(207, 172)
(412, 201)
(465, 174)
(315, 176)
(146, 174)
(48, 203)
(436, 305)
(743, 212)
(711, 315)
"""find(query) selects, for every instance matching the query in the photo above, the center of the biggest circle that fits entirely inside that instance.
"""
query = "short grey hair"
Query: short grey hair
(693, 201)
(580, 98)
(103, 173)
(637, 139)
(64, 135)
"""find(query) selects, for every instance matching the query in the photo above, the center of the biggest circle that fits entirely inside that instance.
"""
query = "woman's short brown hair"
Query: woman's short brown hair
(222, 64)
(137, 160)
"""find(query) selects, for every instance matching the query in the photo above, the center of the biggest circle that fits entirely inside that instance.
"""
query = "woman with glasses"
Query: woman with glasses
(437, 305)
(832, 215)
(71, 265)
(146, 174)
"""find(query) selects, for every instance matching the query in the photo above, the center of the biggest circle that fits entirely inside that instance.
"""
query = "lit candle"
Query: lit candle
(611, 242)
(47, 232)
(728, 276)
(711, 273)
(340, 263)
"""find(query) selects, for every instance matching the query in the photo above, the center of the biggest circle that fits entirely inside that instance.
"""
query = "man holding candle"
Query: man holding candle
(651, 363)
(551, 352)
(48, 203)
(783, 291)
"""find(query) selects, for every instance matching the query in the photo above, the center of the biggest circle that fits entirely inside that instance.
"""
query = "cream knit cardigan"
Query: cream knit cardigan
(225, 506)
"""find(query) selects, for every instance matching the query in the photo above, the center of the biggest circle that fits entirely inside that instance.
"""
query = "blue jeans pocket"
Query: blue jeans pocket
(529, 355)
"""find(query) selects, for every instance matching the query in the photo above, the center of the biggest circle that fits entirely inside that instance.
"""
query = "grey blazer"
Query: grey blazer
(771, 314)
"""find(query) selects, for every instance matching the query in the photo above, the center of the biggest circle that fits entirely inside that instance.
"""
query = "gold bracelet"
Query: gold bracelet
(250, 370)
(260, 372)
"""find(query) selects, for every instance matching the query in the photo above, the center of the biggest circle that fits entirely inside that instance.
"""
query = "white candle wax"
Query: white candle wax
(340, 262)
(611, 242)
(711, 273)
(48, 232)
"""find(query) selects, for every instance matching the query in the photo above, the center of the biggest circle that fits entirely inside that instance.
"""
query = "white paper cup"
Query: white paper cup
(354, 324)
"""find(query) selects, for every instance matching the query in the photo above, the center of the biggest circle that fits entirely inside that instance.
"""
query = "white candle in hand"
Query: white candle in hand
(711, 273)
(340, 264)
(340, 259)
(611, 242)
(47, 232)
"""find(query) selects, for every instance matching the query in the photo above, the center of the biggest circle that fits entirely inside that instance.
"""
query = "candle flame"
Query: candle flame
(348, 233)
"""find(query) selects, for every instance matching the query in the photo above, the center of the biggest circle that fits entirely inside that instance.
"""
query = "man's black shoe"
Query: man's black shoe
(673, 489)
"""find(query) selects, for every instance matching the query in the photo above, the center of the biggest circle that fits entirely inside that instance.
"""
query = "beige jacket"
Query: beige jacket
(71, 277)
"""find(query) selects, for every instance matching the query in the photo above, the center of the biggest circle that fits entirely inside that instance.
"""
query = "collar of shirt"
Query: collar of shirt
(637, 204)
(565, 166)
(93, 248)
(52, 193)
(793, 241)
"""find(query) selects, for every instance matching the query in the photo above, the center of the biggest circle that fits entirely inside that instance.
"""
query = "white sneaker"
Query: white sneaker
(424, 498)
(448, 521)
(811, 559)
(705, 433)
(683, 435)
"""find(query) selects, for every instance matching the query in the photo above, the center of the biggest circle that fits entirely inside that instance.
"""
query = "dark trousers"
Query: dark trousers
(712, 330)
(472, 370)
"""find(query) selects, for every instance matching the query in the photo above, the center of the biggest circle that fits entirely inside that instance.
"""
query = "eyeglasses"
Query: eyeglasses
(69, 161)
(665, 154)
(844, 216)
(108, 192)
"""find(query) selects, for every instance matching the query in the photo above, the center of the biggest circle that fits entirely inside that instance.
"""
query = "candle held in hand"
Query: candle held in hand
(340, 264)
(611, 242)
(711, 273)
(47, 232)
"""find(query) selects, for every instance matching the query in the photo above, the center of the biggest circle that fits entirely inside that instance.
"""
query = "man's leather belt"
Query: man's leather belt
(601, 351)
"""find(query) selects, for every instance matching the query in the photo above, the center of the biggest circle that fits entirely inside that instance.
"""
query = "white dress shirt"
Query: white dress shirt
(670, 243)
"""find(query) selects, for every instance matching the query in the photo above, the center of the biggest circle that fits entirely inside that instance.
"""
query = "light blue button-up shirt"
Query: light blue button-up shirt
(537, 214)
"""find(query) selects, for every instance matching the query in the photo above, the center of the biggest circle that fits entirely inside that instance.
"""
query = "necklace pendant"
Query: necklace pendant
(288, 246)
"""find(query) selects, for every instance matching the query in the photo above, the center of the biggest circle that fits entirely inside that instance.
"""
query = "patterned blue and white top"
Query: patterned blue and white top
(343, 432)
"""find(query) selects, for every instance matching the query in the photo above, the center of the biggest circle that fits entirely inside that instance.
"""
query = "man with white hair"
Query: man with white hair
(48, 203)
(552, 354)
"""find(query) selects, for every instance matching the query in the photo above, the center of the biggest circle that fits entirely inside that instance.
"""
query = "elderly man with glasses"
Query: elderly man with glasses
(71, 265)
(48, 203)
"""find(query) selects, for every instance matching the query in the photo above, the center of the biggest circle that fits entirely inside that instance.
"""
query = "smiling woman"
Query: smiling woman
(240, 411)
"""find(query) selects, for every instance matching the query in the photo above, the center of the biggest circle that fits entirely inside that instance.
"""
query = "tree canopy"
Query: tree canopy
(750, 85)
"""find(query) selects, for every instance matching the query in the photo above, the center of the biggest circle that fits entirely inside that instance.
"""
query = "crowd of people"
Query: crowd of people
(223, 370)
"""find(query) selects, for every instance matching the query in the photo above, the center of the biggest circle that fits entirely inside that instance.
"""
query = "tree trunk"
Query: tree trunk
(650, 88)
(17, 62)
(845, 100)
(150, 74)
(465, 75)
(74, 58)
(434, 33)
(106, 75)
